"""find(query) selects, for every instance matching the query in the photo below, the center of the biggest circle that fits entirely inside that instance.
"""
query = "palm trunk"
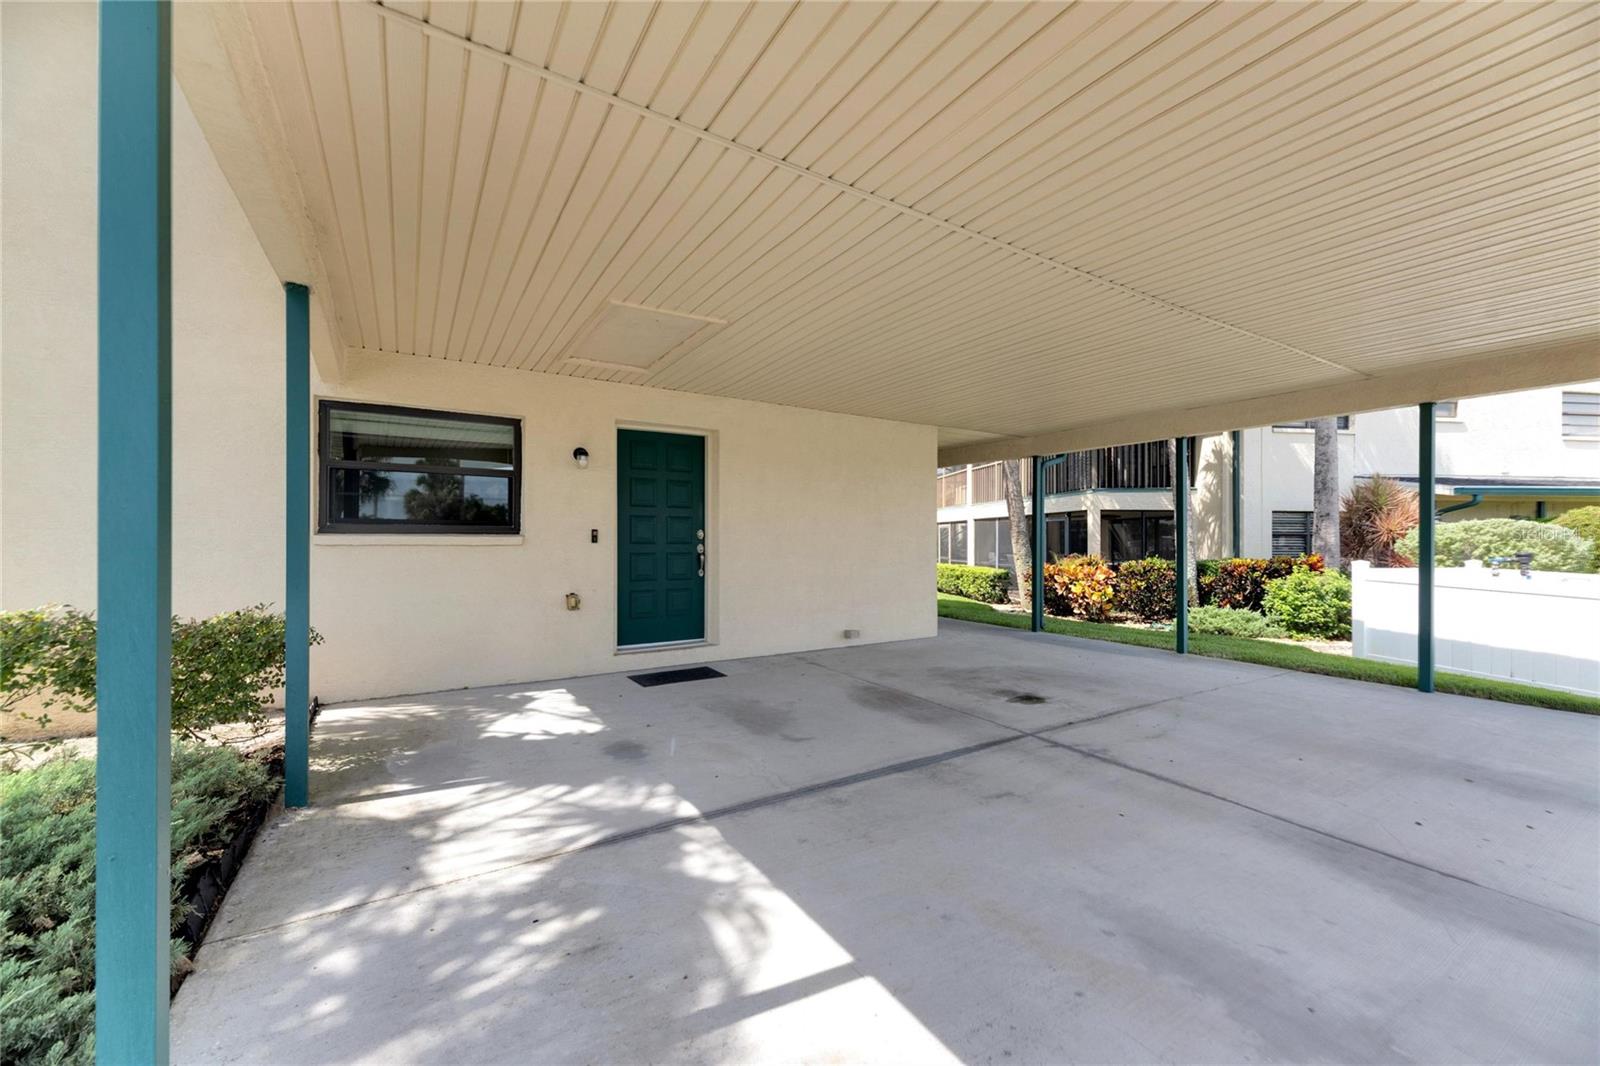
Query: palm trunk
(1017, 512)
(1325, 491)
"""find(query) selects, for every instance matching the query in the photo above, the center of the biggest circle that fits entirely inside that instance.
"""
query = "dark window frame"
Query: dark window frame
(326, 465)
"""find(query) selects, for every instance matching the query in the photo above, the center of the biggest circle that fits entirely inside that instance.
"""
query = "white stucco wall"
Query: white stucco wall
(1516, 434)
(817, 522)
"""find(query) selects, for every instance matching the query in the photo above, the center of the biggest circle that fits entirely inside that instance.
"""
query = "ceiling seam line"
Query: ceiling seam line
(754, 153)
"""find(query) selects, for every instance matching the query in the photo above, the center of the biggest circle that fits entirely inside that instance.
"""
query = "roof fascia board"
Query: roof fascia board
(1512, 369)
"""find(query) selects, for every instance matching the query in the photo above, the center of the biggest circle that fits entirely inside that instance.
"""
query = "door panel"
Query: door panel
(661, 492)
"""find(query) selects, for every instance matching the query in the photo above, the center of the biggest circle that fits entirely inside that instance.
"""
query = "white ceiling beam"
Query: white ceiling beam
(1522, 367)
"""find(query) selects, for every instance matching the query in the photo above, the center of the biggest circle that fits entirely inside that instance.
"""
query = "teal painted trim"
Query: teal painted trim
(1037, 584)
(1180, 510)
(133, 768)
(1426, 520)
(1525, 490)
(297, 545)
(1236, 438)
(1477, 498)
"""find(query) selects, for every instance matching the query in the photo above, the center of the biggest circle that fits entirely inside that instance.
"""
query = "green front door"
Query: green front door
(661, 521)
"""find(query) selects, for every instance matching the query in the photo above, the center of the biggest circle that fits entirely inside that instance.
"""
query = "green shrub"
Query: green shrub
(223, 667)
(985, 583)
(1233, 622)
(1554, 547)
(48, 652)
(1242, 583)
(1310, 604)
(1081, 586)
(47, 888)
(1147, 589)
(1585, 522)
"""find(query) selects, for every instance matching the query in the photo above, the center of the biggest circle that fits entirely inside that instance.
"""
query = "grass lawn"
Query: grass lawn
(1283, 656)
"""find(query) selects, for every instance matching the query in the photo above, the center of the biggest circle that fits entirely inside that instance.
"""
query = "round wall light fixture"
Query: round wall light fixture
(581, 457)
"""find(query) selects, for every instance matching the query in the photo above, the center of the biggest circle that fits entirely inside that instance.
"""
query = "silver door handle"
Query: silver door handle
(700, 550)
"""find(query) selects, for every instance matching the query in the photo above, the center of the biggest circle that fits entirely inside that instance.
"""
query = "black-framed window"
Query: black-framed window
(406, 470)
(1066, 534)
(1291, 532)
(1139, 535)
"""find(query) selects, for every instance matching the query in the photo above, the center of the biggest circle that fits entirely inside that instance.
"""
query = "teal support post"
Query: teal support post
(1236, 438)
(1038, 544)
(297, 545)
(133, 675)
(1180, 510)
(1426, 517)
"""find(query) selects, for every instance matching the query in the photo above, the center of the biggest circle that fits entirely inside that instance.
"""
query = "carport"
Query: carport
(1023, 228)
(988, 846)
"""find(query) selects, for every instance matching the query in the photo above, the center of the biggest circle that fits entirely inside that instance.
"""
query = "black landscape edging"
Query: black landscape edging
(206, 885)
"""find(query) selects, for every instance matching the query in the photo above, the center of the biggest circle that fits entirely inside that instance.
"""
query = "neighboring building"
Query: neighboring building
(1534, 453)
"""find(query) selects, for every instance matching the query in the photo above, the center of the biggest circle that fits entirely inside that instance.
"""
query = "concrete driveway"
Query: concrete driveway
(988, 846)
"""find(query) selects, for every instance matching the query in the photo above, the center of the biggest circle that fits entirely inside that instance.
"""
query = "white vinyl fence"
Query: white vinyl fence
(1542, 628)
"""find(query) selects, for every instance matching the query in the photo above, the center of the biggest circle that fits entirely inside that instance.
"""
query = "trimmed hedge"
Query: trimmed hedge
(1081, 586)
(1554, 547)
(1147, 589)
(1585, 522)
(987, 584)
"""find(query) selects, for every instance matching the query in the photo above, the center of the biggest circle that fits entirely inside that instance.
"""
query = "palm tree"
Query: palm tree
(1017, 513)
(1325, 490)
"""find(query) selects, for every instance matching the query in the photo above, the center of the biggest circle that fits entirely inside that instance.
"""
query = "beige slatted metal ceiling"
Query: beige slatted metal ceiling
(1028, 224)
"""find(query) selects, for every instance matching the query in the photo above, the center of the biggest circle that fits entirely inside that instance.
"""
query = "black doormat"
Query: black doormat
(672, 677)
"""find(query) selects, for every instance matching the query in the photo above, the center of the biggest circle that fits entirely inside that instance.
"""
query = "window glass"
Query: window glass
(1124, 536)
(1161, 536)
(992, 545)
(1444, 409)
(378, 436)
(1055, 536)
(1067, 534)
(395, 469)
(393, 496)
